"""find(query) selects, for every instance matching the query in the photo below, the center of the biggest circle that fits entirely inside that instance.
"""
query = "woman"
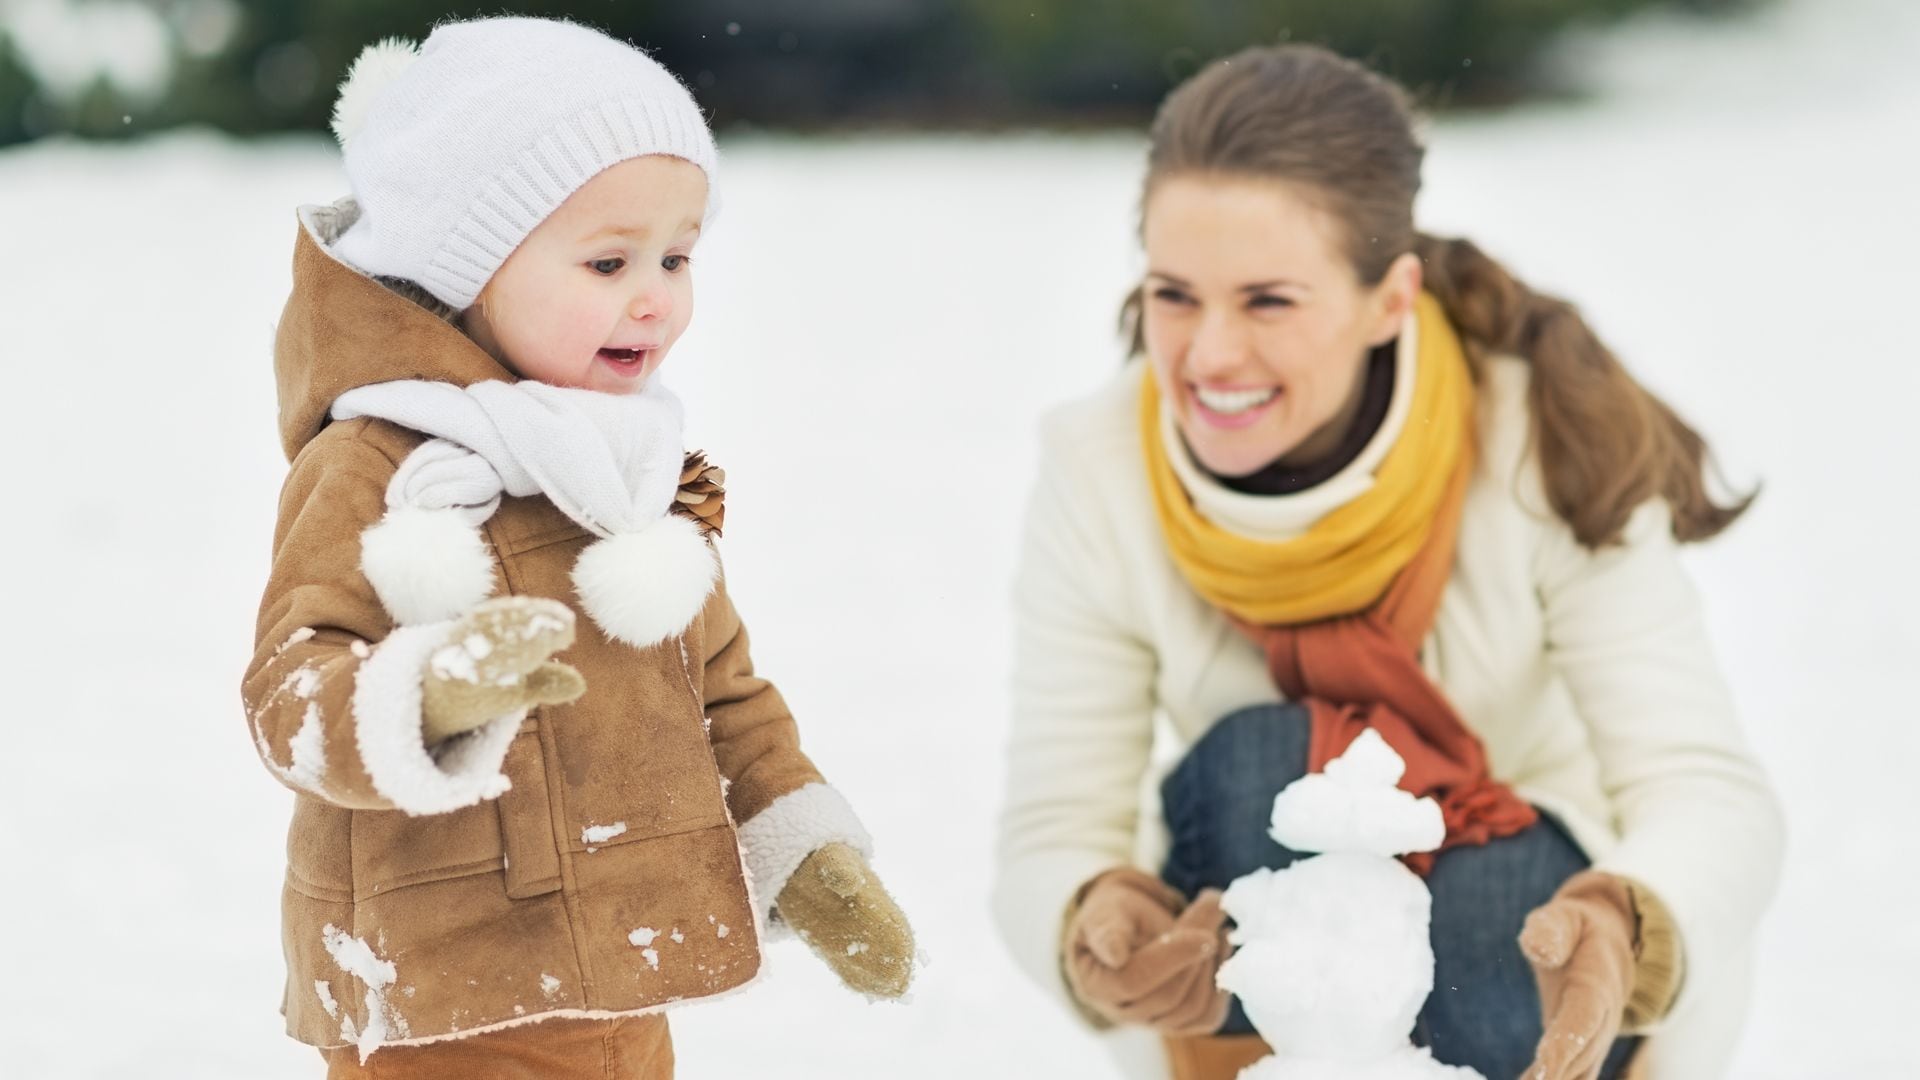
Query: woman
(1364, 478)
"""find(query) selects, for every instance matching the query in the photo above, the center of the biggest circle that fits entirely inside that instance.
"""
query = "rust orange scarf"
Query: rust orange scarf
(1362, 604)
(1363, 671)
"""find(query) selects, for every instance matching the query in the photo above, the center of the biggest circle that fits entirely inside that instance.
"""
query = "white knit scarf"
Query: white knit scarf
(609, 462)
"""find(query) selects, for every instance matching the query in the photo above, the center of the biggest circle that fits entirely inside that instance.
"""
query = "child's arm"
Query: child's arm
(784, 807)
(335, 692)
(804, 847)
(755, 739)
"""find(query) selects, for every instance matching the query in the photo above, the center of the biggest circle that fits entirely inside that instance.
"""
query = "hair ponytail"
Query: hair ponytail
(1606, 443)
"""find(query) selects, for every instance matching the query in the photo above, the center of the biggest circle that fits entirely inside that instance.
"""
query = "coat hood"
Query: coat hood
(341, 329)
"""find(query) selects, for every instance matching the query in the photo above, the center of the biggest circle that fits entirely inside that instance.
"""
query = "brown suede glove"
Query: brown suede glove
(495, 661)
(1133, 956)
(1605, 954)
(837, 905)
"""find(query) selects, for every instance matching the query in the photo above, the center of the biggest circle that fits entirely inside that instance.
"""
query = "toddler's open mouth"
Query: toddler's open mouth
(628, 362)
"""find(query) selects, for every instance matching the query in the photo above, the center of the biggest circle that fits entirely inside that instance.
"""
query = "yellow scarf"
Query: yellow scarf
(1345, 562)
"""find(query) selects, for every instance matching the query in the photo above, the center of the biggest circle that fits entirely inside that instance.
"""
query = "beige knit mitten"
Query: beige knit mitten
(1136, 952)
(497, 660)
(837, 905)
(1606, 956)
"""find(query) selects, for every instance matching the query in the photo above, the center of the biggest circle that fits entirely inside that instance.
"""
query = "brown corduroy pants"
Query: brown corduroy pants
(623, 1048)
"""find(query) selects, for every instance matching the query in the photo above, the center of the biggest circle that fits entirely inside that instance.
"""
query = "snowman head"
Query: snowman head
(1354, 806)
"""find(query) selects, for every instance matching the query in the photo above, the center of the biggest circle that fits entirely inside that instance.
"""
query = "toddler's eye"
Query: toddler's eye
(1268, 300)
(1170, 296)
(673, 264)
(607, 267)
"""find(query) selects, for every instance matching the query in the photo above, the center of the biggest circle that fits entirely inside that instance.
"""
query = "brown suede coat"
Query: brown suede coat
(499, 912)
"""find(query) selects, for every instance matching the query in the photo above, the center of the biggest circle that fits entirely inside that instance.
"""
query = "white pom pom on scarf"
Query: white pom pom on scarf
(611, 463)
(426, 565)
(644, 587)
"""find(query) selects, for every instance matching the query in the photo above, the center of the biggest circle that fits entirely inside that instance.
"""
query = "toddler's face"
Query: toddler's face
(600, 290)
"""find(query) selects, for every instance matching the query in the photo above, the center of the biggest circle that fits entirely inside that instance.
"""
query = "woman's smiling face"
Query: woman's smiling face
(599, 291)
(1256, 324)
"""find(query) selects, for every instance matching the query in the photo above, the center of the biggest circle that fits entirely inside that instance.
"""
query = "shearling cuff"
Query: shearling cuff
(1659, 966)
(457, 773)
(775, 842)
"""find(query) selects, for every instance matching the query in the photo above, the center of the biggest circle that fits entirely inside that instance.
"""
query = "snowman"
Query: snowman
(1334, 960)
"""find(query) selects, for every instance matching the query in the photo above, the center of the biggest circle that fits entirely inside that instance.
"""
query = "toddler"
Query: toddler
(519, 833)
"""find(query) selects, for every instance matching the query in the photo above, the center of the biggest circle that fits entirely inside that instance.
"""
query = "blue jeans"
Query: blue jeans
(1485, 1010)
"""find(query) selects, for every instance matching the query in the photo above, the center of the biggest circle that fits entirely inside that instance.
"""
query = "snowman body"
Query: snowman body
(1335, 959)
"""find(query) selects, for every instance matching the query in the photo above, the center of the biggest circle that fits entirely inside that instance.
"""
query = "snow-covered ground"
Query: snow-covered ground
(881, 321)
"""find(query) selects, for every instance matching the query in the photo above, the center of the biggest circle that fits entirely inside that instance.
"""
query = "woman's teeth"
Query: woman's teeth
(1230, 402)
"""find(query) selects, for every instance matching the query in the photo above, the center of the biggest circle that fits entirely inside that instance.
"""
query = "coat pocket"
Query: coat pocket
(393, 849)
(526, 822)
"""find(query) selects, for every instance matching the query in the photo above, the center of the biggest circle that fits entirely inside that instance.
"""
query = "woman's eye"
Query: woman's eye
(1269, 301)
(673, 264)
(1170, 296)
(607, 267)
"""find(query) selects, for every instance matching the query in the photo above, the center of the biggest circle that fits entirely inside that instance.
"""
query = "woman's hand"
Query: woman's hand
(836, 903)
(1605, 955)
(1133, 956)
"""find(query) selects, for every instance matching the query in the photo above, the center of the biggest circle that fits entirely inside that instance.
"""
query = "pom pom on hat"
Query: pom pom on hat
(378, 65)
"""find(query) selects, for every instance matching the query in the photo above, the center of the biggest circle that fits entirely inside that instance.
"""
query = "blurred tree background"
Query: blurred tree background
(114, 68)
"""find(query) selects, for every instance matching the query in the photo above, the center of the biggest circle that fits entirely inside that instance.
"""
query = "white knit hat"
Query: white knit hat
(456, 150)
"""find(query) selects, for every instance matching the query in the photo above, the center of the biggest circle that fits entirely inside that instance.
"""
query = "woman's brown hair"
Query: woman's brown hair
(1345, 136)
